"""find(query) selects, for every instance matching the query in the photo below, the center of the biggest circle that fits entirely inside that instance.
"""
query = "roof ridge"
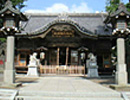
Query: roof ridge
(69, 14)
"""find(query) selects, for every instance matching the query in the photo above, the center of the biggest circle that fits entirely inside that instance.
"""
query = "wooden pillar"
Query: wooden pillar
(78, 58)
(58, 54)
(67, 55)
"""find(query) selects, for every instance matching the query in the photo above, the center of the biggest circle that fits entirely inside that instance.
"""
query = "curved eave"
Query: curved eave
(109, 18)
(45, 29)
(23, 17)
(15, 11)
(120, 11)
(110, 37)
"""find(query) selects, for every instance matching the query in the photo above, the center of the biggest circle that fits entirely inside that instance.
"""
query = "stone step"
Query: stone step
(44, 95)
(7, 94)
(69, 94)
(126, 95)
(63, 98)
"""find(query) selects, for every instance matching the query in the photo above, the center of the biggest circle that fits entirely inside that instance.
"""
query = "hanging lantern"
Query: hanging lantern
(42, 55)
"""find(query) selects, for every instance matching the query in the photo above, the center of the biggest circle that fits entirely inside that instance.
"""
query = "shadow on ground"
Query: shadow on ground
(26, 80)
(103, 80)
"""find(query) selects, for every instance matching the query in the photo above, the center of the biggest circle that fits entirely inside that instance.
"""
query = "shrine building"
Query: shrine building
(65, 39)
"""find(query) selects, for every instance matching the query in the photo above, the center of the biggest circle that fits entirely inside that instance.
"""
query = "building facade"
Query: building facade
(65, 39)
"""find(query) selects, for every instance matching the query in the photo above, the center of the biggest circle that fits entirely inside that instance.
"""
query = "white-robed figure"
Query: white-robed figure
(33, 66)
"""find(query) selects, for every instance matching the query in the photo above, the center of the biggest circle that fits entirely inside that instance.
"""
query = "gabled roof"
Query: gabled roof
(87, 23)
(121, 9)
(9, 6)
(83, 49)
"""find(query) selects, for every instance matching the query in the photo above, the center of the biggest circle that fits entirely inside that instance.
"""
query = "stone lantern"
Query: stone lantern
(11, 17)
(120, 21)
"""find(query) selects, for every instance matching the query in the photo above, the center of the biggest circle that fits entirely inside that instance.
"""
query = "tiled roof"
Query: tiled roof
(120, 9)
(89, 23)
(112, 16)
(9, 6)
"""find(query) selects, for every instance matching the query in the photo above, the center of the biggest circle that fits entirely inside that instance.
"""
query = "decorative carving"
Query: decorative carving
(122, 14)
(63, 33)
(62, 30)
(63, 16)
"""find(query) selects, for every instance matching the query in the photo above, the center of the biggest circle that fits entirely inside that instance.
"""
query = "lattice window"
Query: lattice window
(9, 22)
(74, 57)
(121, 25)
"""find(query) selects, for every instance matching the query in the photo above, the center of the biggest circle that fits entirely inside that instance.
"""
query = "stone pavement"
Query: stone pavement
(1, 77)
(65, 84)
(66, 88)
(7, 94)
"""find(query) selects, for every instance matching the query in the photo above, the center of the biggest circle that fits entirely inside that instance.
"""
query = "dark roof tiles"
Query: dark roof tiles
(92, 22)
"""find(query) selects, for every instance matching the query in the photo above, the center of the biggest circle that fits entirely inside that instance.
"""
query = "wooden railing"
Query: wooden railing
(54, 69)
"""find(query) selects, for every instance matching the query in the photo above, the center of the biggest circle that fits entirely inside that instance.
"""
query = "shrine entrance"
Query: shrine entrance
(63, 60)
(57, 56)
(65, 56)
(62, 56)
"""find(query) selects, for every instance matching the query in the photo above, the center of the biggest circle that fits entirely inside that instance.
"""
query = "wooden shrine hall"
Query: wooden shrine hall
(89, 44)
(64, 39)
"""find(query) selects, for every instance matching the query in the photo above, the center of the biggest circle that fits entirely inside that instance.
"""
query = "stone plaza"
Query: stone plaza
(64, 56)
(63, 88)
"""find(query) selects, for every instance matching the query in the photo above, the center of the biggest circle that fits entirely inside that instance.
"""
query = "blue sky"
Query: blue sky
(52, 6)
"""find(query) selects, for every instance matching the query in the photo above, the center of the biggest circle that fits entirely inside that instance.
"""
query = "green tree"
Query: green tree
(128, 6)
(17, 3)
(112, 5)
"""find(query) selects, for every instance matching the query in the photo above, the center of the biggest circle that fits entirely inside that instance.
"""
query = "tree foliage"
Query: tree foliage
(112, 5)
(128, 6)
(17, 3)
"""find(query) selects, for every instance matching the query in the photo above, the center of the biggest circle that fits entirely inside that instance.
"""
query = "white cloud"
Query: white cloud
(83, 7)
(96, 11)
(59, 7)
